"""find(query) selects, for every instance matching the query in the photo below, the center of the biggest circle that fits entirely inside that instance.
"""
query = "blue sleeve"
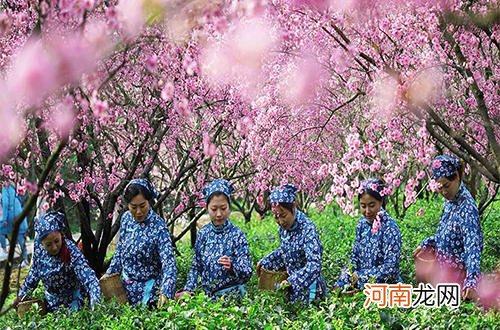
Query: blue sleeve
(304, 277)
(345, 278)
(391, 241)
(167, 258)
(473, 246)
(273, 261)
(8, 196)
(242, 265)
(85, 274)
(197, 266)
(429, 242)
(116, 261)
(33, 277)
(5, 204)
(354, 258)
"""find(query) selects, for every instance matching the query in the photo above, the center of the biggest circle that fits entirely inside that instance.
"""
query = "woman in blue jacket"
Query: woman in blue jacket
(144, 255)
(62, 268)
(221, 256)
(458, 242)
(11, 208)
(377, 245)
(300, 249)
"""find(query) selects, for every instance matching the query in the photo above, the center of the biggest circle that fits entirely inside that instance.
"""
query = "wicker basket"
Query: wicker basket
(24, 306)
(268, 279)
(112, 286)
(425, 263)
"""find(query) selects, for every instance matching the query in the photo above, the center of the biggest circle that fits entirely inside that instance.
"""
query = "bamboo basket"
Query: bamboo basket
(111, 286)
(24, 306)
(268, 279)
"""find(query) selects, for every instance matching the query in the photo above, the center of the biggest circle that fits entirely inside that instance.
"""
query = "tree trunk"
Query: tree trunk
(193, 230)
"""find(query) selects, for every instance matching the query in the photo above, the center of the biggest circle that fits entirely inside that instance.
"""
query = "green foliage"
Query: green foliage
(264, 310)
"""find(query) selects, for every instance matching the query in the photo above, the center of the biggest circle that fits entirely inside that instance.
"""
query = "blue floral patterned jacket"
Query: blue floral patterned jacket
(459, 238)
(144, 257)
(374, 256)
(212, 243)
(65, 284)
(300, 255)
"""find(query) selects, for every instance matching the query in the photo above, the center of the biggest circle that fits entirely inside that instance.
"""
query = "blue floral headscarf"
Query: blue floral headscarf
(218, 185)
(444, 166)
(373, 185)
(283, 194)
(48, 223)
(145, 184)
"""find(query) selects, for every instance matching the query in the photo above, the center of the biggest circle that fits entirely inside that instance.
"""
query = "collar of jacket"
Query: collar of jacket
(460, 195)
(220, 229)
(297, 222)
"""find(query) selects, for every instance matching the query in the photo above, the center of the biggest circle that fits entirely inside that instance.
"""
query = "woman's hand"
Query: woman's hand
(225, 261)
(336, 290)
(105, 275)
(468, 294)
(284, 285)
(162, 300)
(354, 280)
(258, 269)
(182, 293)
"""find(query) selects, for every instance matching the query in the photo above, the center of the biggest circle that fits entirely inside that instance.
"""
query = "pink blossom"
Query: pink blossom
(179, 208)
(385, 92)
(420, 175)
(130, 14)
(33, 74)
(300, 80)
(89, 4)
(21, 190)
(63, 119)
(488, 290)
(386, 191)
(168, 91)
(376, 223)
(99, 107)
(209, 148)
(314, 4)
(183, 107)
(12, 131)
(72, 56)
(98, 37)
(250, 40)
(112, 17)
(152, 63)
(376, 166)
(45, 206)
(434, 186)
